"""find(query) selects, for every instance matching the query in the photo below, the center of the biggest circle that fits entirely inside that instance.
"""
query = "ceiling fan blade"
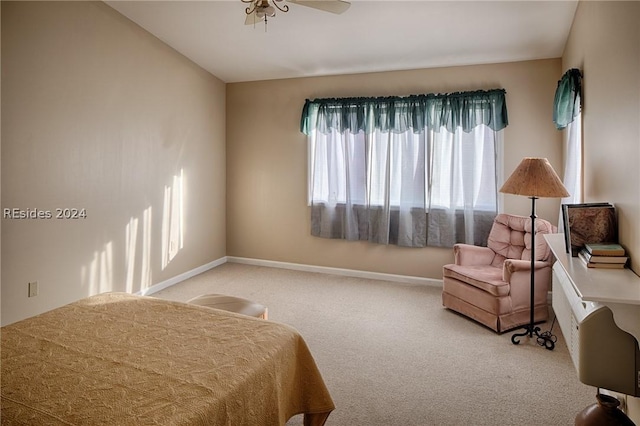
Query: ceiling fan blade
(252, 18)
(333, 6)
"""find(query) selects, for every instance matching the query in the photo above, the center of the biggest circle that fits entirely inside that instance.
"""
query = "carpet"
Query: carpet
(391, 354)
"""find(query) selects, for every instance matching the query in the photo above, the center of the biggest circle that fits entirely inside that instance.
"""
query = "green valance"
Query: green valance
(399, 114)
(566, 105)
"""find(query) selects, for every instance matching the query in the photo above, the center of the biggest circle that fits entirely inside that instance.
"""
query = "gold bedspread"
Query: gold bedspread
(118, 359)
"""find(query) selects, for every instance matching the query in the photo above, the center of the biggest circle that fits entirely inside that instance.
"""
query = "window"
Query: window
(413, 171)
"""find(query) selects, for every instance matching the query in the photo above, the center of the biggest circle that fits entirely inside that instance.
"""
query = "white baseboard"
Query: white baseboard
(179, 278)
(406, 279)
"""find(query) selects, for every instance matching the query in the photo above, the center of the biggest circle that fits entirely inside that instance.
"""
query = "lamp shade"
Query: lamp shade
(534, 177)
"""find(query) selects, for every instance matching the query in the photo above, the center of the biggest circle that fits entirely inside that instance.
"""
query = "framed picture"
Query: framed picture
(588, 223)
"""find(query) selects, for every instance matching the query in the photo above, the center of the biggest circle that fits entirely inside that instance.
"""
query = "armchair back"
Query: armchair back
(510, 238)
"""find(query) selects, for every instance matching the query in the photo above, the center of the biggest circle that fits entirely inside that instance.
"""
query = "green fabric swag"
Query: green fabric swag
(566, 105)
(399, 114)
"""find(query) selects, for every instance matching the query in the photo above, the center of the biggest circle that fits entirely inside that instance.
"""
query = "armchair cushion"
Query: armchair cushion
(485, 278)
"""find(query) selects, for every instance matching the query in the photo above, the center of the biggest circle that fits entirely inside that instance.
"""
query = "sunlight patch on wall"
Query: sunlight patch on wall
(131, 240)
(145, 279)
(99, 273)
(137, 252)
(173, 219)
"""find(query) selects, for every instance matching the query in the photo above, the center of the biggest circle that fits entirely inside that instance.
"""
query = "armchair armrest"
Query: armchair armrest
(467, 255)
(518, 274)
(515, 265)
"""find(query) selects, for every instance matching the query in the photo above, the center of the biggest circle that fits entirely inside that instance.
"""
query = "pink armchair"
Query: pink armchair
(492, 284)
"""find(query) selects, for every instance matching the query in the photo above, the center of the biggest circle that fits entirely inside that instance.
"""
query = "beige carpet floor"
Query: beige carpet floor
(391, 354)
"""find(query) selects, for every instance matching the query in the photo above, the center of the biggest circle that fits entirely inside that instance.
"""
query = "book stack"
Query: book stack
(604, 255)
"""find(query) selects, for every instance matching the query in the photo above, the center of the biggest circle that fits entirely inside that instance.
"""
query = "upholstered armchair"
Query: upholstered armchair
(492, 284)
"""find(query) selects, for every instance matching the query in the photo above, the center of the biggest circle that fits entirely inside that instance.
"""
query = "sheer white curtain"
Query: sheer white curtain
(369, 186)
(462, 193)
(572, 165)
(407, 188)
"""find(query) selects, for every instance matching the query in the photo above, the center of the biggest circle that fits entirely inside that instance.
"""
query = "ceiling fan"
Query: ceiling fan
(261, 10)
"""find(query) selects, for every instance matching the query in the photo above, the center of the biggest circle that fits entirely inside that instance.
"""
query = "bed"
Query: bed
(120, 359)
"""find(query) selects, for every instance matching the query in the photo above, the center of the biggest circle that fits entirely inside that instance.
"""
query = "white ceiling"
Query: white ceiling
(370, 36)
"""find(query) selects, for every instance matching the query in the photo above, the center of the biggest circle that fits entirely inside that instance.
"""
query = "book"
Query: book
(604, 249)
(599, 265)
(603, 259)
(588, 223)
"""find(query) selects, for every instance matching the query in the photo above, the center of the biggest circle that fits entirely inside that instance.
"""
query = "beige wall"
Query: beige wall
(0, 161)
(98, 114)
(605, 44)
(267, 215)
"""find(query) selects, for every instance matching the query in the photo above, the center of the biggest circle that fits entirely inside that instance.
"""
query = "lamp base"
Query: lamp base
(545, 339)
